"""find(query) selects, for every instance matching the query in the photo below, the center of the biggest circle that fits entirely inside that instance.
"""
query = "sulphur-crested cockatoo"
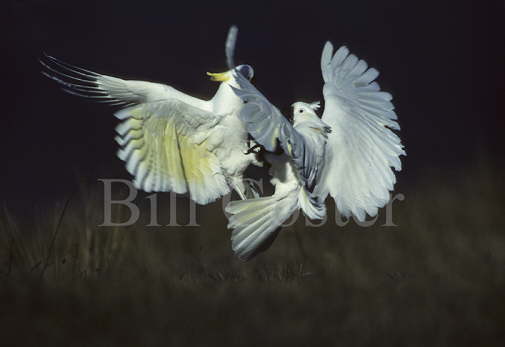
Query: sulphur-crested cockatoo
(348, 153)
(171, 141)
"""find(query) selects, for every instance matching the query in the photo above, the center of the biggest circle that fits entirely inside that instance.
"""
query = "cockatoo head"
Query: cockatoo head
(246, 71)
(303, 110)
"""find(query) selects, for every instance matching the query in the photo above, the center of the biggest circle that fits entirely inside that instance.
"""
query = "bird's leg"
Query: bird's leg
(239, 187)
(253, 149)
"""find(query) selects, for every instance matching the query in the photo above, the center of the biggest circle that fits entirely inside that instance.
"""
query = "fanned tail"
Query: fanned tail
(256, 222)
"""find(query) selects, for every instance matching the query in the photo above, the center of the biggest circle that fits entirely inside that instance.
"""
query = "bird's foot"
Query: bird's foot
(254, 149)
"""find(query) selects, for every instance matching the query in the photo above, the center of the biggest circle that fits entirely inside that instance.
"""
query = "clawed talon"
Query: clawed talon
(254, 149)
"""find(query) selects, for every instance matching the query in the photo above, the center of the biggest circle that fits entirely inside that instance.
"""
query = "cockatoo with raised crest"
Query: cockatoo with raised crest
(348, 153)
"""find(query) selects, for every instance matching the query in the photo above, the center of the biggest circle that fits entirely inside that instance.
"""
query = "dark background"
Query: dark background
(437, 279)
(442, 61)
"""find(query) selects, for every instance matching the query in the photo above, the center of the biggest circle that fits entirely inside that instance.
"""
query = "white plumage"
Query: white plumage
(348, 153)
(361, 149)
(171, 141)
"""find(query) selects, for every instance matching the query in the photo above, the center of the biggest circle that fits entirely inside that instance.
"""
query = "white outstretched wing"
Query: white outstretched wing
(165, 135)
(166, 147)
(270, 129)
(361, 148)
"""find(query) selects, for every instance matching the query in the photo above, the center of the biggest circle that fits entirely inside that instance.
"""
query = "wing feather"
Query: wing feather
(361, 149)
(165, 149)
(231, 42)
(165, 135)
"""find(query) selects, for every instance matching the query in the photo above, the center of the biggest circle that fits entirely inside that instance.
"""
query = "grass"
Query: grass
(437, 279)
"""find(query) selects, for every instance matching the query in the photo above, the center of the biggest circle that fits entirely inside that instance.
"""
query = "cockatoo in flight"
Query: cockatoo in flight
(348, 153)
(171, 141)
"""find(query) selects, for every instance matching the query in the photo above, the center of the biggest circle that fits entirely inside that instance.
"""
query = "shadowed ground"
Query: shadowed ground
(435, 280)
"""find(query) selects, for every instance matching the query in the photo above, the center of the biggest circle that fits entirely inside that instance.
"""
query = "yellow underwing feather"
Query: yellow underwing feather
(165, 148)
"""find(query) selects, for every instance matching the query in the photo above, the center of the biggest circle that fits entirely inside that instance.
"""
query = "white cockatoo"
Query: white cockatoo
(348, 153)
(171, 141)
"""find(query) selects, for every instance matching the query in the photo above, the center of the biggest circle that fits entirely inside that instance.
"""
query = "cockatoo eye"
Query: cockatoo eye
(300, 111)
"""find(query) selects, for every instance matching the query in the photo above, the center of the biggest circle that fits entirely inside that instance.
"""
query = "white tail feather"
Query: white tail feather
(256, 222)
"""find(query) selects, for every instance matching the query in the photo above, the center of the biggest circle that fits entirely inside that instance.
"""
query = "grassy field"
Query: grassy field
(438, 279)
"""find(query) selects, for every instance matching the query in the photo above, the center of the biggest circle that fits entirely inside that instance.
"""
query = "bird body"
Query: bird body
(233, 149)
(291, 192)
